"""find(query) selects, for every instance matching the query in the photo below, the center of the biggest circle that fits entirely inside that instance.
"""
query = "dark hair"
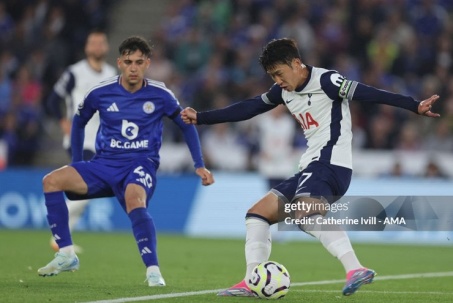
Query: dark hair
(133, 44)
(278, 51)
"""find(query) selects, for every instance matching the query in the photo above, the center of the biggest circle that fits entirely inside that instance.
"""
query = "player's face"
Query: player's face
(133, 67)
(288, 77)
(97, 46)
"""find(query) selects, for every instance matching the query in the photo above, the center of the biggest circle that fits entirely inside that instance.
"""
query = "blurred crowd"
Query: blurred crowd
(38, 39)
(207, 53)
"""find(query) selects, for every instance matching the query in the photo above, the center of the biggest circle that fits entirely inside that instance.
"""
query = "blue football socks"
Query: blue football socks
(145, 235)
(57, 217)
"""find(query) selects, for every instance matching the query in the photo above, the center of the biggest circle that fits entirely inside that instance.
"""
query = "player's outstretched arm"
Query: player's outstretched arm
(206, 177)
(424, 108)
(239, 111)
(189, 115)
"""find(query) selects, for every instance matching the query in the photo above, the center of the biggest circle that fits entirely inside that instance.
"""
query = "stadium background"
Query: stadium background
(206, 52)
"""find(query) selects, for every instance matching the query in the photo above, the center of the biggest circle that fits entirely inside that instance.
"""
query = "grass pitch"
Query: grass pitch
(111, 270)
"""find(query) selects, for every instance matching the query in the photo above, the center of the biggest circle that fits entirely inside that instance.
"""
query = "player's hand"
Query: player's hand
(189, 115)
(424, 108)
(206, 177)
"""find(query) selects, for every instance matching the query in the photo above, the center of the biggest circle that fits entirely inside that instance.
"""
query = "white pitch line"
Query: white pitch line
(379, 292)
(204, 292)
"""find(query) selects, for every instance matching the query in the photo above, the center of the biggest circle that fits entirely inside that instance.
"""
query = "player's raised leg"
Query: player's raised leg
(54, 185)
(258, 242)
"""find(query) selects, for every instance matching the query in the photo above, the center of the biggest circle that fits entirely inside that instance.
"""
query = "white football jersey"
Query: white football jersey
(321, 107)
(84, 78)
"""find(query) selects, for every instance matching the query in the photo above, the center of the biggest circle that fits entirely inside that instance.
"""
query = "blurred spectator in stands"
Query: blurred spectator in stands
(177, 20)
(222, 150)
(97, 14)
(332, 34)
(409, 138)
(268, 20)
(192, 53)
(400, 32)
(433, 170)
(36, 63)
(6, 24)
(222, 147)
(41, 10)
(210, 17)
(444, 57)
(277, 158)
(361, 28)
(359, 135)
(429, 20)
(162, 69)
(396, 171)
(8, 63)
(441, 140)
(383, 49)
(347, 66)
(449, 110)
(407, 65)
(379, 133)
(296, 26)
(5, 94)
(26, 105)
(237, 29)
(9, 136)
(208, 89)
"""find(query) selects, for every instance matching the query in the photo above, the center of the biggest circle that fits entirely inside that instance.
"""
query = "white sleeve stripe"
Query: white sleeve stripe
(266, 99)
(162, 86)
(351, 91)
(106, 82)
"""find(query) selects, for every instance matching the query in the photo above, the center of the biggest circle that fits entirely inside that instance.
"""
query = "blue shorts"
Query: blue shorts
(318, 180)
(108, 178)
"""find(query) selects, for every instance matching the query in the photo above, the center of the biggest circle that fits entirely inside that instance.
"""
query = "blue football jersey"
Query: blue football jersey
(130, 123)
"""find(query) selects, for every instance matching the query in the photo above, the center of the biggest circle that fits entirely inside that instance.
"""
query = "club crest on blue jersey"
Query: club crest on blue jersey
(149, 107)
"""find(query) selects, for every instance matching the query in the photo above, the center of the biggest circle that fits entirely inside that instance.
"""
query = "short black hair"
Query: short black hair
(133, 44)
(279, 51)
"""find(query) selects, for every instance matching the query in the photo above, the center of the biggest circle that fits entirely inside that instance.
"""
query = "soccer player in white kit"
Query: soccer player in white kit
(319, 100)
(70, 89)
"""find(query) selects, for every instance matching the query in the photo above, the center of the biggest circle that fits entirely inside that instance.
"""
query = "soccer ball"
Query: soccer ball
(269, 280)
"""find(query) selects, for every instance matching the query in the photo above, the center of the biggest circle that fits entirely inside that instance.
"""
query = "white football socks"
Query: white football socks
(337, 243)
(153, 269)
(68, 250)
(258, 243)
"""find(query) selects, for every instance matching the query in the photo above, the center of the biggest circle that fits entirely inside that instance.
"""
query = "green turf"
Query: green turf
(111, 268)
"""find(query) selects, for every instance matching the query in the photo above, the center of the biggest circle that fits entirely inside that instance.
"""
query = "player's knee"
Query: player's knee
(258, 210)
(307, 206)
(50, 183)
(263, 214)
(133, 203)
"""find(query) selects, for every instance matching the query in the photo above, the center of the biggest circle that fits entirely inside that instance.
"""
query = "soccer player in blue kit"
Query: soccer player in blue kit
(319, 100)
(131, 109)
